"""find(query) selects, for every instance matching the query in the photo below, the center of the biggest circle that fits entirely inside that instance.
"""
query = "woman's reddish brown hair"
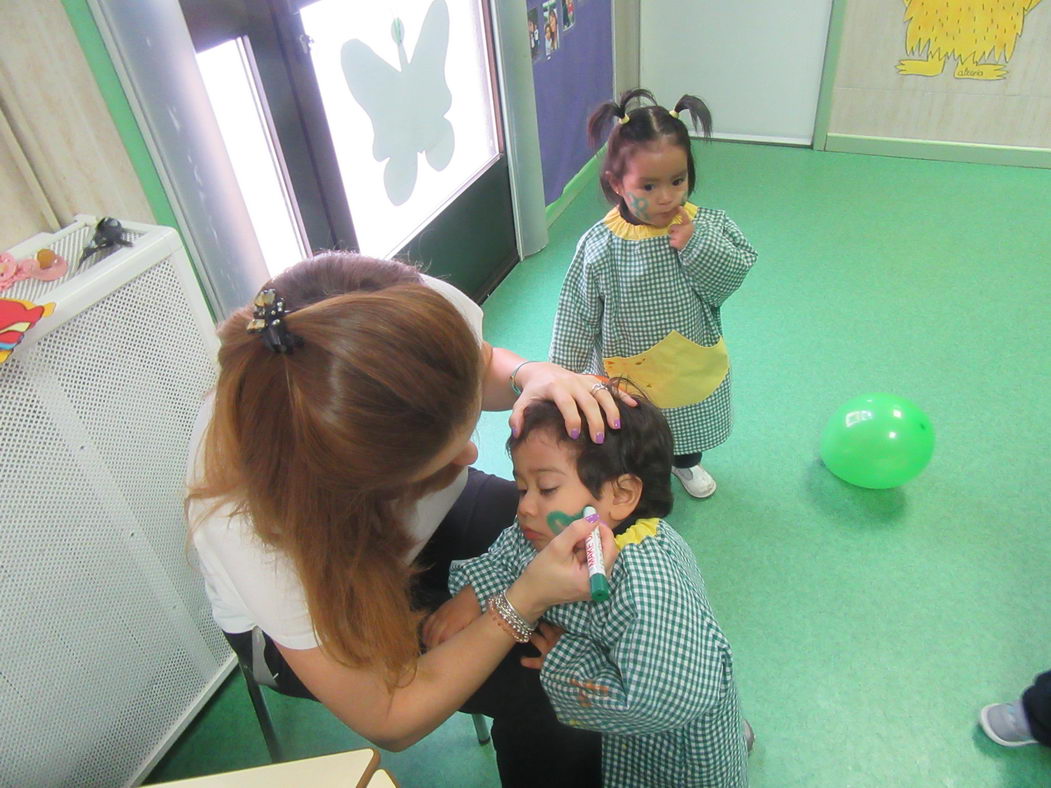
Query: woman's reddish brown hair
(323, 447)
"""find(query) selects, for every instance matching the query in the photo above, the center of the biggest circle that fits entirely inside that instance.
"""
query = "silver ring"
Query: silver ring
(599, 385)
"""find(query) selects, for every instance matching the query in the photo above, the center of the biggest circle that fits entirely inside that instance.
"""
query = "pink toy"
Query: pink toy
(45, 266)
(8, 270)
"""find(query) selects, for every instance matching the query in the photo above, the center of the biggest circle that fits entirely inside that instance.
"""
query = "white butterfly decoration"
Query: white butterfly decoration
(407, 106)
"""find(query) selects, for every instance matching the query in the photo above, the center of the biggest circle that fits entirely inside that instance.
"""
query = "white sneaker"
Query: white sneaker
(697, 481)
(1006, 724)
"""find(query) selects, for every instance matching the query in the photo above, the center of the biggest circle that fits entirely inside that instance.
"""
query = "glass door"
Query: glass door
(377, 125)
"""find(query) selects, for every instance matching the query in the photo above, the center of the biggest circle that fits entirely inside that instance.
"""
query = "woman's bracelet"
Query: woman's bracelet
(512, 377)
(509, 619)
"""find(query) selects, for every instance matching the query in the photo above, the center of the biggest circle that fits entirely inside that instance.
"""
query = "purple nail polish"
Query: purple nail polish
(592, 518)
(574, 434)
(600, 438)
(616, 424)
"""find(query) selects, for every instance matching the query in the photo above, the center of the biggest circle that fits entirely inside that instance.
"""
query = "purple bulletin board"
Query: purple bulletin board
(572, 74)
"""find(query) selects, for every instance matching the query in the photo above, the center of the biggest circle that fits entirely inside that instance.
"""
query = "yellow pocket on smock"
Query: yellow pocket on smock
(674, 372)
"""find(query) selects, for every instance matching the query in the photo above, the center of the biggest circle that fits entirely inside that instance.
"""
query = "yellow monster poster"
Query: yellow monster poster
(980, 35)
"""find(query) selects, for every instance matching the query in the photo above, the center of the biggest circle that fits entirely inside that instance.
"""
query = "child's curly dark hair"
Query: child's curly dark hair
(641, 447)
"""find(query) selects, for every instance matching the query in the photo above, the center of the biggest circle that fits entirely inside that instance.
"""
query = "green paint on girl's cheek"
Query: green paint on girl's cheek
(559, 521)
(639, 206)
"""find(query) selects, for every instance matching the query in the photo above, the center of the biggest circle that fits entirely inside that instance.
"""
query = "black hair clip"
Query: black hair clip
(108, 233)
(268, 320)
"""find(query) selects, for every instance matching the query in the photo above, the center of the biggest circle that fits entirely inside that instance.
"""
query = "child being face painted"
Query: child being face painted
(625, 477)
(551, 495)
(648, 667)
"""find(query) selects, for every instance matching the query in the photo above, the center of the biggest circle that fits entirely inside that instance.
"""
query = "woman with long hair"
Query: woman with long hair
(329, 490)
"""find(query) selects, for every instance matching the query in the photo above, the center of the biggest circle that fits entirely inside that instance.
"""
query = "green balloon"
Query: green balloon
(877, 441)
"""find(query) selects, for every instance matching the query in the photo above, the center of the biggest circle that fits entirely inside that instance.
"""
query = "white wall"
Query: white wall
(756, 63)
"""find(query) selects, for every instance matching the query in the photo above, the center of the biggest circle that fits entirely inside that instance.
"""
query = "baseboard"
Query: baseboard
(972, 153)
(587, 176)
(758, 139)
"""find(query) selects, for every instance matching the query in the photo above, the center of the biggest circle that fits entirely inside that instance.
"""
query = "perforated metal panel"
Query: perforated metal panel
(69, 244)
(107, 645)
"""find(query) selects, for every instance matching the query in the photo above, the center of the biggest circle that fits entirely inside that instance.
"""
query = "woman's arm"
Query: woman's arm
(495, 569)
(540, 380)
(472, 582)
(497, 393)
(447, 675)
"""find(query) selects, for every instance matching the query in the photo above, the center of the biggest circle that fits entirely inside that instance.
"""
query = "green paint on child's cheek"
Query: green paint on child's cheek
(640, 207)
(559, 521)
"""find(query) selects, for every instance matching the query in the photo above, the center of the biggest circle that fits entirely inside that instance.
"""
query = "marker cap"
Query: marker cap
(599, 588)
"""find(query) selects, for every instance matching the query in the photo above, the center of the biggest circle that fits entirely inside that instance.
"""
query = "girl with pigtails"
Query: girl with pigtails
(643, 294)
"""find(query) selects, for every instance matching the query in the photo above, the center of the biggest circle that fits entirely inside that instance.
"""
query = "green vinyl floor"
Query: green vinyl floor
(869, 627)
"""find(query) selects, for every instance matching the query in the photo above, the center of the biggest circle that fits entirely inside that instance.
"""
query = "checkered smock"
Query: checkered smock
(649, 668)
(626, 289)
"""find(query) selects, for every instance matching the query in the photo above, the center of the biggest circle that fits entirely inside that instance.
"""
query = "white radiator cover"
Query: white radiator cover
(107, 645)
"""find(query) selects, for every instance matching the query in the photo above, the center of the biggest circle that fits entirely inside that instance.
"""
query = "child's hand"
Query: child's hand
(679, 234)
(545, 638)
(451, 617)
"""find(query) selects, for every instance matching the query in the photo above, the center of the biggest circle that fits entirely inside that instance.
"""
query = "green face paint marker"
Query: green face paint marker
(559, 521)
(596, 568)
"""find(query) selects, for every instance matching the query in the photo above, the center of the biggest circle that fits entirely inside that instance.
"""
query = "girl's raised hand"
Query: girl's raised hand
(679, 234)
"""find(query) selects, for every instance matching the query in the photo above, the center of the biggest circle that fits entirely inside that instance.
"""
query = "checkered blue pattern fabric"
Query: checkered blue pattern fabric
(649, 668)
(623, 295)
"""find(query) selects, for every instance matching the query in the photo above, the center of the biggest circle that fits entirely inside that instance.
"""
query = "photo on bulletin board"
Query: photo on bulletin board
(568, 14)
(534, 33)
(550, 14)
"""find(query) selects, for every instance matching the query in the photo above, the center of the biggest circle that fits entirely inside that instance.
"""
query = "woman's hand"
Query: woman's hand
(451, 617)
(573, 394)
(559, 573)
(545, 638)
(679, 234)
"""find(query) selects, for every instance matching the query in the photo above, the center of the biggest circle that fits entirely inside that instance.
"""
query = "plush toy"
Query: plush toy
(17, 317)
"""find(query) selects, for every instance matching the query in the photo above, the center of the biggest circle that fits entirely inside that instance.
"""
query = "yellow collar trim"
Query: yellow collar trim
(640, 232)
(639, 531)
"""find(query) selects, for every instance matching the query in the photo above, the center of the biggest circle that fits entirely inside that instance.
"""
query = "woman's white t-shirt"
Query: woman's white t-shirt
(250, 584)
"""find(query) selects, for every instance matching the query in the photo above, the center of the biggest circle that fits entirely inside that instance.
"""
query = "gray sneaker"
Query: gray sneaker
(1006, 724)
(749, 736)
